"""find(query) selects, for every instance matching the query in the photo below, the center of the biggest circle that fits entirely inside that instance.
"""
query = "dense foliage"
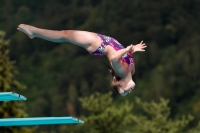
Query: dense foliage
(10, 109)
(56, 75)
(151, 117)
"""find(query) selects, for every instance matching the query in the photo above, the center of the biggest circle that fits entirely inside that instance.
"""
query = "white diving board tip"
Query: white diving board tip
(10, 96)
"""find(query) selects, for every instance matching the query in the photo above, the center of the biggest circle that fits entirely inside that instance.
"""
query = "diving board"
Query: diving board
(10, 96)
(39, 121)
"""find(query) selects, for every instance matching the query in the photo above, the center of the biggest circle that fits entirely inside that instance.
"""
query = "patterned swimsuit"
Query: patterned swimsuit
(106, 40)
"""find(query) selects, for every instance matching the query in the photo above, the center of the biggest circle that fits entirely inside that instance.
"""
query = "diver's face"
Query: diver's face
(127, 91)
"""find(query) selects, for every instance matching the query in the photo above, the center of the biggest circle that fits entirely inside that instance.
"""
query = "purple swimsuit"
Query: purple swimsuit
(106, 40)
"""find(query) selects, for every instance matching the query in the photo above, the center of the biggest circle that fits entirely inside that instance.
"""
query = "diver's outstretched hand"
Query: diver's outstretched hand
(26, 29)
(139, 47)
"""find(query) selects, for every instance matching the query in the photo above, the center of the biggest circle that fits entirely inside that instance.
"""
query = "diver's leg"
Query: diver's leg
(85, 39)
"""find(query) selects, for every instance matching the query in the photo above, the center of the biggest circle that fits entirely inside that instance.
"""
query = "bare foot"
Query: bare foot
(26, 29)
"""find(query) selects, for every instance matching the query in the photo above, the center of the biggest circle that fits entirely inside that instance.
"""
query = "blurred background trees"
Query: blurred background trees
(10, 109)
(57, 75)
(104, 116)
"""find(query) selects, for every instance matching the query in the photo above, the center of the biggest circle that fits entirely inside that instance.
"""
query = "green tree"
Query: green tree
(154, 118)
(10, 109)
(104, 116)
(149, 117)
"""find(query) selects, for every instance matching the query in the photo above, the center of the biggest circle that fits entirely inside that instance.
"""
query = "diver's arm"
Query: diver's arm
(118, 54)
(131, 48)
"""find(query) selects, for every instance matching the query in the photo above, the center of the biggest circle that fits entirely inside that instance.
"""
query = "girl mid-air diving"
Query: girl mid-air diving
(120, 58)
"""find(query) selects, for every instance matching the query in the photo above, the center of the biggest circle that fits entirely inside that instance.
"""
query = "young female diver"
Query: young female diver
(120, 58)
